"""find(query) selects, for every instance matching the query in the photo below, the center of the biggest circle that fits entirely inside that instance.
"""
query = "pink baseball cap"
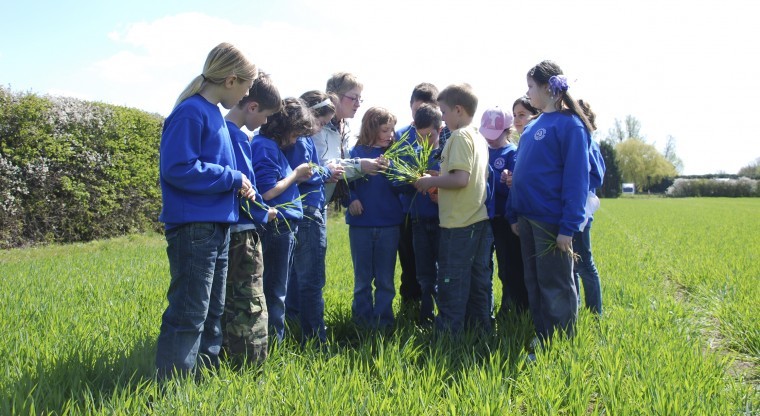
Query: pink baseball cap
(494, 122)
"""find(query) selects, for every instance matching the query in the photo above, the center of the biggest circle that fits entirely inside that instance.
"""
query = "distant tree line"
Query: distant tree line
(73, 170)
(630, 158)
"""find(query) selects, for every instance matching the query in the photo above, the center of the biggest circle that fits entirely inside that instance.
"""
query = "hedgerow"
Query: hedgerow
(742, 187)
(74, 170)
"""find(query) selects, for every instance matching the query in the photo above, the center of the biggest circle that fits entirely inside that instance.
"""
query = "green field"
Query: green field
(680, 334)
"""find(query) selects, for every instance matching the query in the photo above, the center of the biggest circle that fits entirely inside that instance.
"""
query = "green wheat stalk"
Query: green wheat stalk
(551, 243)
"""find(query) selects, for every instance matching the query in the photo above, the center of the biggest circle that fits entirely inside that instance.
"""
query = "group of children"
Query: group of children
(246, 218)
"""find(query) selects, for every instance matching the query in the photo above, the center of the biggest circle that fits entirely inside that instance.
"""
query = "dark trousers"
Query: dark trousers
(410, 290)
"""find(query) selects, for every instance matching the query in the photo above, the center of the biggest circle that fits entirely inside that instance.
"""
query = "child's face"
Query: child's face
(349, 103)
(323, 120)
(538, 95)
(430, 134)
(235, 89)
(522, 116)
(255, 117)
(416, 105)
(450, 115)
(385, 135)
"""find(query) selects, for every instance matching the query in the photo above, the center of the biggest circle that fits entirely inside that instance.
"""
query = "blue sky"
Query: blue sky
(683, 68)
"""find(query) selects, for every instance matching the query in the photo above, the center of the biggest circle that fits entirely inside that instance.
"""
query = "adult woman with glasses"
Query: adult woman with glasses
(331, 141)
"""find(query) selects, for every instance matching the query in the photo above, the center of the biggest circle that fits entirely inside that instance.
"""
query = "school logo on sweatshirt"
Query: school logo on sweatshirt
(540, 134)
(499, 163)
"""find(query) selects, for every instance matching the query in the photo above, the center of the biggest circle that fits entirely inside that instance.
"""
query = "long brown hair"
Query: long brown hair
(373, 119)
(293, 119)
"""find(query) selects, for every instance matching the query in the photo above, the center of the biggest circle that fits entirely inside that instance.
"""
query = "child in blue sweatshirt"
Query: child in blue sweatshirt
(244, 325)
(496, 127)
(200, 184)
(547, 200)
(307, 277)
(374, 215)
(423, 210)
(584, 267)
(278, 184)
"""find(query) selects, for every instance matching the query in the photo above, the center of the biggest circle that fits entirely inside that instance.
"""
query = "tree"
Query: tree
(752, 170)
(616, 133)
(633, 127)
(622, 130)
(642, 164)
(670, 154)
(612, 181)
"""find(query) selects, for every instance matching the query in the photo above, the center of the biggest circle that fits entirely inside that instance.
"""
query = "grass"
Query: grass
(680, 334)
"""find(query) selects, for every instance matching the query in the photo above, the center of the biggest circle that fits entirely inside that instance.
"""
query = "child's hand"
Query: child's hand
(506, 177)
(355, 208)
(271, 214)
(337, 172)
(565, 243)
(515, 229)
(303, 172)
(246, 189)
(424, 183)
(433, 193)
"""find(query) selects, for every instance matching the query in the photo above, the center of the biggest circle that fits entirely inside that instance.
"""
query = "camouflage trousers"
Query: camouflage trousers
(244, 324)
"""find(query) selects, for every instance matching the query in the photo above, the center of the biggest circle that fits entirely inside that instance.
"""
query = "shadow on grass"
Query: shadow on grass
(83, 380)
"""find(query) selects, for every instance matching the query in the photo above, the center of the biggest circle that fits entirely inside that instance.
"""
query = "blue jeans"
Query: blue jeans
(425, 239)
(586, 269)
(509, 257)
(307, 277)
(191, 327)
(373, 251)
(464, 282)
(277, 243)
(549, 279)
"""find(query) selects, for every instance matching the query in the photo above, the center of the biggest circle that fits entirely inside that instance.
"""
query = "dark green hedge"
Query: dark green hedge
(74, 170)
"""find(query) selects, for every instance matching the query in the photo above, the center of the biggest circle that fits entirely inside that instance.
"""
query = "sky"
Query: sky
(686, 69)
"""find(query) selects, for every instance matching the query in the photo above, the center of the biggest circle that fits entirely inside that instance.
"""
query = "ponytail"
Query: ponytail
(224, 60)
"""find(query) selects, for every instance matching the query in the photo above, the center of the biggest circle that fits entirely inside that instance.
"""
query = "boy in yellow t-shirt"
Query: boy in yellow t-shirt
(464, 273)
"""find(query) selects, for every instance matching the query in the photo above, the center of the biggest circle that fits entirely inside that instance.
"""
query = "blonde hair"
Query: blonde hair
(224, 60)
(342, 82)
(373, 119)
(460, 95)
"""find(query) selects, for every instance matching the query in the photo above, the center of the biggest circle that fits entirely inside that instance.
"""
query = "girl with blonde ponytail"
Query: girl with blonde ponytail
(200, 184)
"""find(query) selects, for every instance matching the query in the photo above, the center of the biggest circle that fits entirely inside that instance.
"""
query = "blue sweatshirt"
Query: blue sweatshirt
(596, 174)
(500, 159)
(550, 182)
(242, 148)
(197, 168)
(378, 195)
(304, 151)
(270, 166)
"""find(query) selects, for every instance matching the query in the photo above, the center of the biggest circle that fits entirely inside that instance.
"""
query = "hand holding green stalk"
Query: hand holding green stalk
(565, 243)
(303, 172)
(246, 189)
(337, 172)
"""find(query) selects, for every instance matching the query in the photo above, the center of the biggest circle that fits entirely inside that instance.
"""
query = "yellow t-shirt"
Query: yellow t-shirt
(465, 150)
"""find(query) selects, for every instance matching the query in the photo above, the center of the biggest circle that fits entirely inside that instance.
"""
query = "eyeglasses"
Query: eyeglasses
(354, 99)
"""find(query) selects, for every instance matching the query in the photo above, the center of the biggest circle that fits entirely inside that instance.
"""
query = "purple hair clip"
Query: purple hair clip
(557, 84)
